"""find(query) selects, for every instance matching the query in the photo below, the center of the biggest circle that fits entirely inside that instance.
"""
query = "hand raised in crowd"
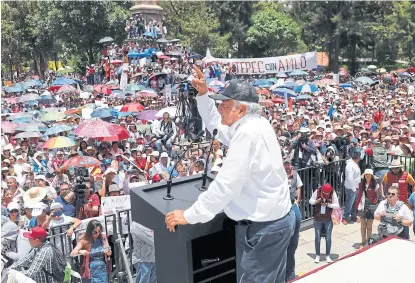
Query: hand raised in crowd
(199, 82)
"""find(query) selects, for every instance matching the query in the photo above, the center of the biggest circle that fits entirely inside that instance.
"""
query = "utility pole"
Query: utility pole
(11, 68)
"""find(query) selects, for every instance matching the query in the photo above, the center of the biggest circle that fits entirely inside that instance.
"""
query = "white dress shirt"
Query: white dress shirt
(252, 183)
(353, 175)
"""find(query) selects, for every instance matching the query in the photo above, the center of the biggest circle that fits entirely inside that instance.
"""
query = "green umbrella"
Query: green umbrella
(134, 87)
(53, 116)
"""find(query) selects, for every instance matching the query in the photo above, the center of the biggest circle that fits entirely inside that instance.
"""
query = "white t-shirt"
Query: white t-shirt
(404, 212)
(57, 239)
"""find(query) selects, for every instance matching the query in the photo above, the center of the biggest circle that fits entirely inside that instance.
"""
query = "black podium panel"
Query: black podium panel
(200, 253)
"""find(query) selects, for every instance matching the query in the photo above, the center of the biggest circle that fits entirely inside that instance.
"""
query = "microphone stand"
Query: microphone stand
(204, 175)
(168, 196)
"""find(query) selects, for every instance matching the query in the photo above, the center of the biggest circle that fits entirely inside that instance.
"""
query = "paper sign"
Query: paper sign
(110, 205)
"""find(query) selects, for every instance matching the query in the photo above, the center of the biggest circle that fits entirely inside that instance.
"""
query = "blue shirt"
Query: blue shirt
(411, 201)
(68, 208)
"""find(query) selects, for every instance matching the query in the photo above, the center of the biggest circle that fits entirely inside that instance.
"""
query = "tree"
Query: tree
(273, 32)
(197, 26)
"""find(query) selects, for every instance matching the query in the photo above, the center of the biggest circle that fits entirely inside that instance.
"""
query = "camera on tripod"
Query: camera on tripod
(81, 176)
(186, 86)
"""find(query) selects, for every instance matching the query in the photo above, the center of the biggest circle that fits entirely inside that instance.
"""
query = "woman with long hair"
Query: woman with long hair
(94, 248)
(366, 203)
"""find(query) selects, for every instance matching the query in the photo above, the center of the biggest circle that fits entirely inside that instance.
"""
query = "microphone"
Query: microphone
(168, 196)
(204, 175)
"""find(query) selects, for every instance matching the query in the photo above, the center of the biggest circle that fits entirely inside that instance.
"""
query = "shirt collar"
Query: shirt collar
(234, 127)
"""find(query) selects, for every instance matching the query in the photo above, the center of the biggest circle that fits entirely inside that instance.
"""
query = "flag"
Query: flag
(331, 112)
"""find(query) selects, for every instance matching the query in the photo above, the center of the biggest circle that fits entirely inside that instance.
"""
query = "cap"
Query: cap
(155, 153)
(89, 148)
(164, 154)
(156, 178)
(113, 188)
(326, 188)
(36, 233)
(37, 207)
(56, 205)
(238, 89)
(5, 169)
(40, 177)
(12, 205)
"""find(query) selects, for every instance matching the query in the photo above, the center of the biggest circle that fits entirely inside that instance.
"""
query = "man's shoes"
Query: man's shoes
(328, 259)
(317, 259)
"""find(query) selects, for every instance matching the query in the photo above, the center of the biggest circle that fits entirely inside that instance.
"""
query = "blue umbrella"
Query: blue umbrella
(102, 113)
(16, 88)
(304, 96)
(58, 129)
(47, 98)
(298, 73)
(23, 120)
(306, 88)
(64, 81)
(151, 34)
(262, 83)
(346, 85)
(32, 83)
(282, 91)
(195, 56)
(291, 85)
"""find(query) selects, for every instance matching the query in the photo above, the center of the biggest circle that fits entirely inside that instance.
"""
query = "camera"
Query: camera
(81, 176)
(185, 86)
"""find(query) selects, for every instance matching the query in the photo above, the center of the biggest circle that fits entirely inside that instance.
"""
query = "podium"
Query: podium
(200, 253)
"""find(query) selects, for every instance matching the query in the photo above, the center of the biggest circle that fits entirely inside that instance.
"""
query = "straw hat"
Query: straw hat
(35, 194)
(395, 164)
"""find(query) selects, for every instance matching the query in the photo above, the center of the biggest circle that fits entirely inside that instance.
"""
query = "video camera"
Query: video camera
(186, 86)
(81, 177)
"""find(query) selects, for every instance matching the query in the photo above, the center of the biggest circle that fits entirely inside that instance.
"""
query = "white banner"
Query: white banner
(270, 65)
(110, 205)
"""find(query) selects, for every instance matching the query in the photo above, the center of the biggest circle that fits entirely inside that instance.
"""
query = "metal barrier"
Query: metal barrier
(408, 163)
(312, 177)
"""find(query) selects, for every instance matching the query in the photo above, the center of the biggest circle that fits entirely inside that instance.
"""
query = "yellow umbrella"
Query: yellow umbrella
(381, 70)
(53, 116)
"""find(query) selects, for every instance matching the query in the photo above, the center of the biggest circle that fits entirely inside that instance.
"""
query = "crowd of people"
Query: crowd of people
(360, 123)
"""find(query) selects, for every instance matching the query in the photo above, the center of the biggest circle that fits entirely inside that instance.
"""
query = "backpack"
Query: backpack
(58, 264)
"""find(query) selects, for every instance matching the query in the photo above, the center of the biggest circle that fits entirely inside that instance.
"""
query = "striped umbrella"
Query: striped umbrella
(58, 129)
(59, 142)
(8, 127)
(306, 88)
(80, 161)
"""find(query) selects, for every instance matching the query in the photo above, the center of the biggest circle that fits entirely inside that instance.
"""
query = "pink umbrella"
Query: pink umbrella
(147, 92)
(164, 57)
(132, 107)
(11, 100)
(66, 89)
(8, 127)
(100, 129)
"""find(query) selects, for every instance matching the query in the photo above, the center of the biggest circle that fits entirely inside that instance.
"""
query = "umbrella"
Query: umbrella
(47, 99)
(106, 39)
(102, 89)
(27, 135)
(325, 82)
(277, 100)
(66, 89)
(102, 113)
(85, 95)
(148, 93)
(162, 40)
(290, 84)
(381, 70)
(64, 81)
(29, 97)
(171, 110)
(73, 111)
(53, 116)
(134, 87)
(262, 83)
(372, 67)
(306, 88)
(8, 127)
(283, 91)
(281, 75)
(120, 134)
(88, 88)
(15, 88)
(148, 115)
(364, 80)
(304, 96)
(404, 75)
(99, 129)
(164, 57)
(117, 62)
(29, 128)
(80, 161)
(11, 100)
(298, 73)
(345, 85)
(388, 79)
(57, 129)
(175, 40)
(59, 142)
(32, 83)
(266, 102)
(150, 34)
(132, 107)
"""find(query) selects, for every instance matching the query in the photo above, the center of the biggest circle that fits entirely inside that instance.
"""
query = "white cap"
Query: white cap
(164, 154)
(155, 153)
(56, 205)
(40, 177)
(12, 205)
(38, 208)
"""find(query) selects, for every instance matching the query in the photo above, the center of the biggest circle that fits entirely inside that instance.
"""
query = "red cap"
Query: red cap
(36, 233)
(326, 188)
(156, 178)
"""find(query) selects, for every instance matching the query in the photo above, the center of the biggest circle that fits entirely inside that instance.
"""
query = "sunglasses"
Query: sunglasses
(14, 211)
(391, 194)
(96, 232)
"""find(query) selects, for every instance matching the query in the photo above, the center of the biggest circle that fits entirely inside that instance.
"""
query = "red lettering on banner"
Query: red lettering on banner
(296, 67)
(260, 68)
(253, 66)
(281, 66)
(288, 63)
(303, 62)
(242, 67)
(248, 66)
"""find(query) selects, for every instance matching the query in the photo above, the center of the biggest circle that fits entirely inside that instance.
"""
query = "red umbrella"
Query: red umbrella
(411, 69)
(266, 103)
(54, 88)
(132, 107)
(73, 111)
(277, 100)
(8, 127)
(100, 129)
(121, 134)
(117, 61)
(102, 89)
(80, 161)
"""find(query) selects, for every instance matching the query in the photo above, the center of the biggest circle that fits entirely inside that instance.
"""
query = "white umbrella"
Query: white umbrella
(26, 135)
(85, 95)
(171, 110)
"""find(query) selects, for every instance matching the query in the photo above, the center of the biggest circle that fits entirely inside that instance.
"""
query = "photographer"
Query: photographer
(304, 149)
(166, 133)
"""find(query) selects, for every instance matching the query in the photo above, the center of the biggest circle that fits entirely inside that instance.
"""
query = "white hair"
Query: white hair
(251, 107)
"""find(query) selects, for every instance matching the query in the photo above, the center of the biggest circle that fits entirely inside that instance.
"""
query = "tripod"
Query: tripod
(187, 112)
